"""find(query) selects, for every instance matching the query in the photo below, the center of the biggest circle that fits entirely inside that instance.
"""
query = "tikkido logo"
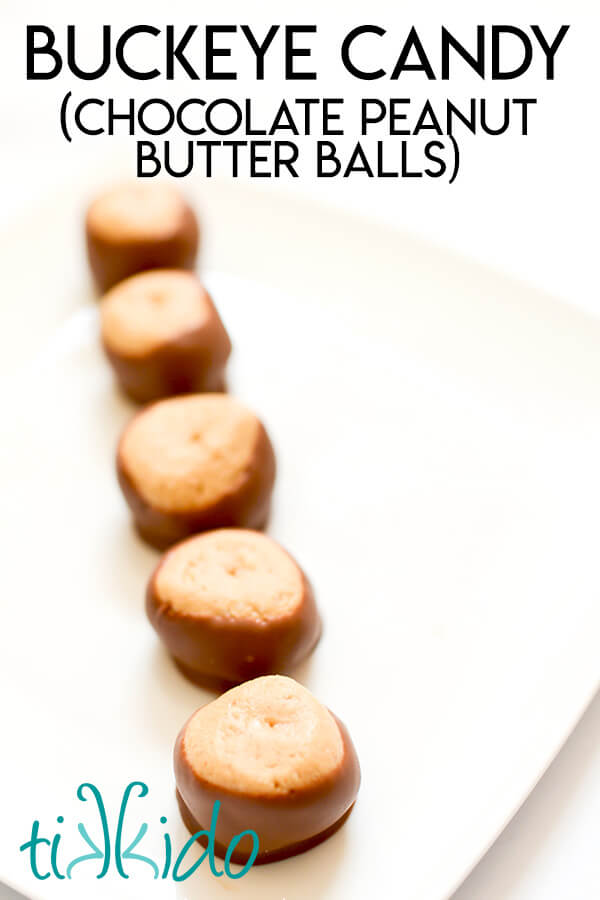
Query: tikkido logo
(46, 863)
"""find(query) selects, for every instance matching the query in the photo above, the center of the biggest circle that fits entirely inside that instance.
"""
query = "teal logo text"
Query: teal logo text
(110, 851)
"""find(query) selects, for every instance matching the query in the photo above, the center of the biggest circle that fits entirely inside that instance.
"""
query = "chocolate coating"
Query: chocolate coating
(191, 361)
(221, 649)
(240, 857)
(245, 505)
(114, 255)
(286, 825)
(185, 365)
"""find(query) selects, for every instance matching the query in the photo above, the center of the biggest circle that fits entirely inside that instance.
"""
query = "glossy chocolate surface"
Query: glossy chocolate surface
(220, 651)
(286, 825)
(245, 506)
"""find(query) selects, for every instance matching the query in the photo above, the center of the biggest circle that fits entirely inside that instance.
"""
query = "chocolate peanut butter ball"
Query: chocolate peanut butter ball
(278, 762)
(163, 335)
(195, 463)
(137, 226)
(230, 605)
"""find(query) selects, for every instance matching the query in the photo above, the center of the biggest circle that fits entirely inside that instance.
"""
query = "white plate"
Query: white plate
(438, 437)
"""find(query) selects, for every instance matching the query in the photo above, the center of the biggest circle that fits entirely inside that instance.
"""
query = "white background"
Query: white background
(525, 205)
